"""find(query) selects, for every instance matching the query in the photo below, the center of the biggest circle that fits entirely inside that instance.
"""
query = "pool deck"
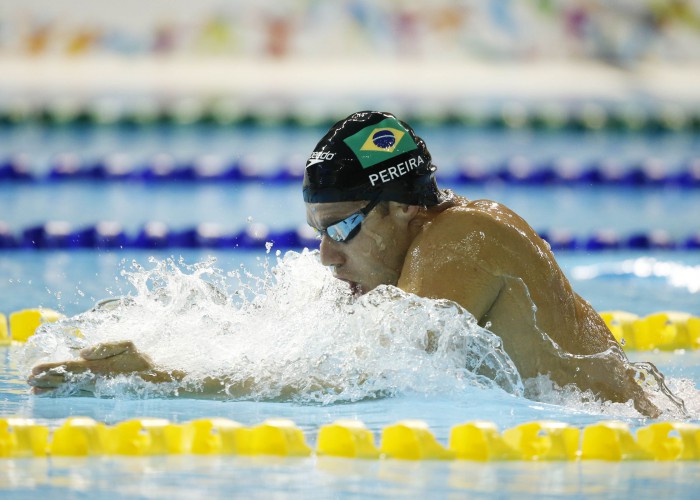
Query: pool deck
(433, 82)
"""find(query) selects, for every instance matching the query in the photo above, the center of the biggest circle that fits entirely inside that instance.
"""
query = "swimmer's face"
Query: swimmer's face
(376, 254)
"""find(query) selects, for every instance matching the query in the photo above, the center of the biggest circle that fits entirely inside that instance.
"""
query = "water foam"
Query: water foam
(293, 333)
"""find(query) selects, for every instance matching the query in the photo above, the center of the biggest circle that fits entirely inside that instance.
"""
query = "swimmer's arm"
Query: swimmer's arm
(119, 358)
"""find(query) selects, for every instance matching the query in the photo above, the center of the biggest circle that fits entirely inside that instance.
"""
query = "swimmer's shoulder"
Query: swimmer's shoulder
(481, 229)
(466, 216)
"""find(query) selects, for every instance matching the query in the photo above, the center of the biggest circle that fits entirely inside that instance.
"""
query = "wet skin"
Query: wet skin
(479, 254)
(489, 260)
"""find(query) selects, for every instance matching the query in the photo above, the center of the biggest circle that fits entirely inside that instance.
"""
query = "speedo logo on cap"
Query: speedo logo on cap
(318, 157)
(379, 142)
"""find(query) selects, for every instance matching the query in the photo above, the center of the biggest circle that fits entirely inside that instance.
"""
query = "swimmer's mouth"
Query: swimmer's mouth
(355, 288)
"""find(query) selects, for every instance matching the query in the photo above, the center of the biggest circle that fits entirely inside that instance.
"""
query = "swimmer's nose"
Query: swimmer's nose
(331, 254)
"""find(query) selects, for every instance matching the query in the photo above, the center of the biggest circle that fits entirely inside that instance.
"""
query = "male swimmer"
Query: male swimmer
(370, 191)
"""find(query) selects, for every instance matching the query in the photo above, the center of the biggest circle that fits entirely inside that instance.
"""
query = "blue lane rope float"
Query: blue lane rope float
(110, 235)
(648, 172)
(404, 440)
(662, 330)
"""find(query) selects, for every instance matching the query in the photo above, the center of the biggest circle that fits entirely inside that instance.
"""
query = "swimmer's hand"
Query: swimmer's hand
(122, 358)
(109, 359)
(615, 380)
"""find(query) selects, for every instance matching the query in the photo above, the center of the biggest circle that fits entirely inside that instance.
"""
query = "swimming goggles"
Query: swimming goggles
(346, 229)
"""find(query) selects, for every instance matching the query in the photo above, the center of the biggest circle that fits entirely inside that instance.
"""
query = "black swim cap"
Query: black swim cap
(367, 155)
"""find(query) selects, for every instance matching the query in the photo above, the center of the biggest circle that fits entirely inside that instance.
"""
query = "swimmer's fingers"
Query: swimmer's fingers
(46, 381)
(641, 400)
(53, 375)
(111, 359)
(38, 391)
(611, 379)
(107, 350)
(644, 406)
(60, 368)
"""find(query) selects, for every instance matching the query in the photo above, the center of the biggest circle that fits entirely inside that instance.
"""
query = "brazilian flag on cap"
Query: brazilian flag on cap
(379, 142)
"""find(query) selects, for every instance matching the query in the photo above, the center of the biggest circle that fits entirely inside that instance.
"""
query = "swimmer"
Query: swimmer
(370, 192)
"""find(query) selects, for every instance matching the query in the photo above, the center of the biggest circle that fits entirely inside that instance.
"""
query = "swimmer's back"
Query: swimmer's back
(485, 257)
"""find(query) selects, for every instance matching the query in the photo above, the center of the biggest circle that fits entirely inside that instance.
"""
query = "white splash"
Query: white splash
(295, 330)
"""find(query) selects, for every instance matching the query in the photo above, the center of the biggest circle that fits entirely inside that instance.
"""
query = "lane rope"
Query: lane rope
(517, 170)
(111, 235)
(404, 440)
(584, 116)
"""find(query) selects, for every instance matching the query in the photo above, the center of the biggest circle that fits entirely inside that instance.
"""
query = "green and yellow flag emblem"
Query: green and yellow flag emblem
(379, 142)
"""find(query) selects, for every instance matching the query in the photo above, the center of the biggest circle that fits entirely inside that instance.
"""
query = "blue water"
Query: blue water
(639, 282)
(227, 477)
(577, 210)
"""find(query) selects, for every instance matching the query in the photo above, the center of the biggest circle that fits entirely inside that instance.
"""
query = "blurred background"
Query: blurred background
(617, 31)
(314, 60)
(176, 126)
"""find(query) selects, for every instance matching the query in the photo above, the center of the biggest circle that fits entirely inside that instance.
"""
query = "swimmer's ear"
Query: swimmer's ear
(403, 211)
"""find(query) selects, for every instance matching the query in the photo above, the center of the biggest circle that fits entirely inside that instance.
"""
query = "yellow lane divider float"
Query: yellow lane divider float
(666, 330)
(404, 440)
(24, 323)
(4, 331)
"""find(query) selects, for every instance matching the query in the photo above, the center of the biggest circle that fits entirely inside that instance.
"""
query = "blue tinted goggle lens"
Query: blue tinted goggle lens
(346, 229)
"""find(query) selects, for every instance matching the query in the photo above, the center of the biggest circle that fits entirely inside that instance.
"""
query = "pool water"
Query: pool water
(641, 282)
(221, 476)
